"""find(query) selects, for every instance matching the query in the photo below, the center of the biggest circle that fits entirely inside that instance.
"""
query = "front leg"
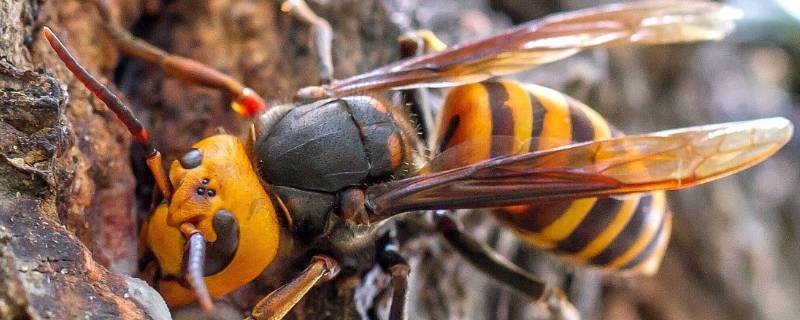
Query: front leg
(246, 102)
(279, 302)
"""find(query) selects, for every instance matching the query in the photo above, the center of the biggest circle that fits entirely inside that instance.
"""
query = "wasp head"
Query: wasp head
(214, 175)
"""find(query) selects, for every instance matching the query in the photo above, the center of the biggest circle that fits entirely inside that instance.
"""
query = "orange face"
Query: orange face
(216, 175)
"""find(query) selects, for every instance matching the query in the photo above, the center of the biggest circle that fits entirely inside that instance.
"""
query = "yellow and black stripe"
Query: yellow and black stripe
(497, 118)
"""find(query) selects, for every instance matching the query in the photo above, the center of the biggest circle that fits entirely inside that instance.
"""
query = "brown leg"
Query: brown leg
(278, 303)
(122, 111)
(392, 262)
(323, 35)
(494, 265)
(400, 291)
(245, 101)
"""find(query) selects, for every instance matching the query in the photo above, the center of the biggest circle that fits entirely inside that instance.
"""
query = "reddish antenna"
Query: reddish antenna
(116, 105)
(196, 245)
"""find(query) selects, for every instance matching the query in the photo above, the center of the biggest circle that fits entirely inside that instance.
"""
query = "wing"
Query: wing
(551, 38)
(663, 160)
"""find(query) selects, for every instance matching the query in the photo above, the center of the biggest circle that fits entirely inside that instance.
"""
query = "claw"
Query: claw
(248, 104)
(559, 306)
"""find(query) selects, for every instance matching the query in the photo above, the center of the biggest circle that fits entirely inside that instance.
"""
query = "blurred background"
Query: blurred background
(734, 253)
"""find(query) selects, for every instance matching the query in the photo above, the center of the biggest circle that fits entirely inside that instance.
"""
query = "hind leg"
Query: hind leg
(495, 266)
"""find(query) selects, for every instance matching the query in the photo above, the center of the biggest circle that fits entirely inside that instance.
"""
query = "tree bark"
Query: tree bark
(61, 166)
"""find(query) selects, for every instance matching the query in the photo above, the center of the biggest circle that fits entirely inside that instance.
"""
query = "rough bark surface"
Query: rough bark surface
(60, 164)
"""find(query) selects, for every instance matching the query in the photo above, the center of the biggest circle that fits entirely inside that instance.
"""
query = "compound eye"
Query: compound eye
(192, 159)
(220, 253)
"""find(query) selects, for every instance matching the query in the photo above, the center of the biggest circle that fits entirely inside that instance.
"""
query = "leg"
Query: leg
(278, 303)
(413, 44)
(351, 206)
(393, 263)
(494, 265)
(323, 36)
(122, 112)
(245, 101)
(420, 42)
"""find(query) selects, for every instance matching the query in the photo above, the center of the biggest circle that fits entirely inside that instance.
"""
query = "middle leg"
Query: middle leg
(396, 266)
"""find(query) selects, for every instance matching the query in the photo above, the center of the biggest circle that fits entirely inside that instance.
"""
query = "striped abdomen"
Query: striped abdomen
(507, 117)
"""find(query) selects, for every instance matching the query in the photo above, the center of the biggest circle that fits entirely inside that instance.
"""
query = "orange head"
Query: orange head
(214, 176)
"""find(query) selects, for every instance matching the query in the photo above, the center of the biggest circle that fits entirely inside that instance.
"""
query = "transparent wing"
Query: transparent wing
(548, 39)
(663, 160)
